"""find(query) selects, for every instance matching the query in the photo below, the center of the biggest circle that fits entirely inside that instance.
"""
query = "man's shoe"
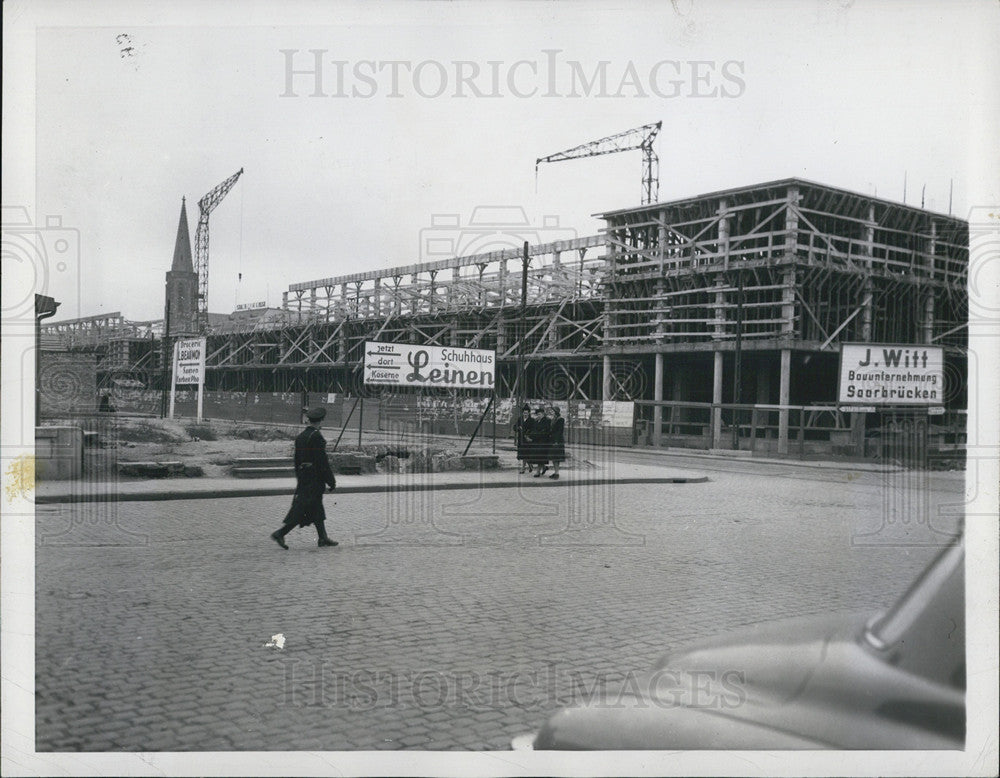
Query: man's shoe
(279, 540)
(554, 475)
(326, 542)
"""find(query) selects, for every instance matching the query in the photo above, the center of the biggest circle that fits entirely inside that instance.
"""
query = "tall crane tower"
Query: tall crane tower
(206, 205)
(638, 138)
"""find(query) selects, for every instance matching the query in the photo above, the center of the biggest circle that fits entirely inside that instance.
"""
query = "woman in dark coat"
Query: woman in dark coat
(522, 431)
(540, 441)
(557, 439)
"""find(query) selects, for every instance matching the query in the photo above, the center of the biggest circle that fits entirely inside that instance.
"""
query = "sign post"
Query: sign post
(188, 368)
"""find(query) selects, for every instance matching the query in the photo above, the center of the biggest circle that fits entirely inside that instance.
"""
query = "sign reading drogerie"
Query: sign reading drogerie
(891, 374)
(403, 364)
(190, 354)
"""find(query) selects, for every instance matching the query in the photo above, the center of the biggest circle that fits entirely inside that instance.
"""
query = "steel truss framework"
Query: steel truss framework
(806, 266)
(803, 267)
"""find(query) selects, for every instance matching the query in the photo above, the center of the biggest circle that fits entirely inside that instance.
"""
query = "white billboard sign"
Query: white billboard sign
(443, 367)
(190, 366)
(891, 374)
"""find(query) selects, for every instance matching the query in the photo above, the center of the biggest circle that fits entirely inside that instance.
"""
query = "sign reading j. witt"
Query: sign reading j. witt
(891, 374)
(403, 364)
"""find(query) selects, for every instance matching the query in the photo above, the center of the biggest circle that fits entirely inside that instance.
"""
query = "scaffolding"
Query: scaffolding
(807, 267)
(666, 305)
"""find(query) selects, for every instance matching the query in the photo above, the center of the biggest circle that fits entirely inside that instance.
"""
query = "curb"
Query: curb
(818, 464)
(290, 490)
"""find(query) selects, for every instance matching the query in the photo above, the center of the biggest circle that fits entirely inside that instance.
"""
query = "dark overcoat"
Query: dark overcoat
(312, 475)
(557, 439)
(538, 448)
(522, 431)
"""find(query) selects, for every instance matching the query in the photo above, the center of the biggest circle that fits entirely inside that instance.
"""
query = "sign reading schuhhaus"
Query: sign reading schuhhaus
(403, 364)
(891, 374)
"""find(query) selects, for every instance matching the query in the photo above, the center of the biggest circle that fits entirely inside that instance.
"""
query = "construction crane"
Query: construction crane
(638, 138)
(206, 205)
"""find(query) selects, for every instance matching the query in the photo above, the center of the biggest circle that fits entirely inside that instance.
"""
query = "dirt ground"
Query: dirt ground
(214, 446)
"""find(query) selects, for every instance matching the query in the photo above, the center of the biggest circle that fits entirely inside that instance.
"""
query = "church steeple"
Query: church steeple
(181, 310)
(182, 247)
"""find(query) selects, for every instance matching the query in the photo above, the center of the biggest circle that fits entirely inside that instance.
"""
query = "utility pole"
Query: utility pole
(520, 395)
(737, 358)
(165, 367)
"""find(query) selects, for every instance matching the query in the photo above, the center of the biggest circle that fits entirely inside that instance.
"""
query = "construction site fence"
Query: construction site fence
(403, 414)
(906, 435)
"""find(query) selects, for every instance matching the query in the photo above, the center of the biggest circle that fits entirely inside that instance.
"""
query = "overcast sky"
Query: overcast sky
(135, 109)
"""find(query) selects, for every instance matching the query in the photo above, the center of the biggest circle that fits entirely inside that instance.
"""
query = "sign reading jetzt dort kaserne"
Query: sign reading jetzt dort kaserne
(891, 374)
(403, 364)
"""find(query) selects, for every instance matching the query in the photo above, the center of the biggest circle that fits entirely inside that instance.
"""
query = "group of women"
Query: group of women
(540, 435)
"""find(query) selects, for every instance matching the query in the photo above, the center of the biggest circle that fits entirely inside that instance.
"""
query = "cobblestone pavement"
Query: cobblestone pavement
(444, 620)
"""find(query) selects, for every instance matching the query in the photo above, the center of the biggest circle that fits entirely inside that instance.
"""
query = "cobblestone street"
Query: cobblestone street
(444, 620)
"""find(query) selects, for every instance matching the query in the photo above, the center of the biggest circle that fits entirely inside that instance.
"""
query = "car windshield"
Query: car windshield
(924, 632)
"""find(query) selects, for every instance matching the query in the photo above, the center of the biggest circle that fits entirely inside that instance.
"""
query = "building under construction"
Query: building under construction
(720, 315)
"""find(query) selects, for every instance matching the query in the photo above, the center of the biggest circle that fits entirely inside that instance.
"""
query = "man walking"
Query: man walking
(312, 476)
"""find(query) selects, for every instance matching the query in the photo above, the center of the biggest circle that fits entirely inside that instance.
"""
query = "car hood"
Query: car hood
(799, 683)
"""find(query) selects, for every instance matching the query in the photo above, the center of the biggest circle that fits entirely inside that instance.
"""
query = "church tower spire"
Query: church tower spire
(181, 312)
(182, 246)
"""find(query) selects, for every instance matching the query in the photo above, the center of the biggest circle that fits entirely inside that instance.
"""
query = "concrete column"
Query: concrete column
(503, 283)
(866, 290)
(717, 398)
(720, 312)
(928, 323)
(658, 397)
(456, 278)
(784, 387)
(788, 304)
(606, 378)
(661, 239)
(792, 223)
(724, 233)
